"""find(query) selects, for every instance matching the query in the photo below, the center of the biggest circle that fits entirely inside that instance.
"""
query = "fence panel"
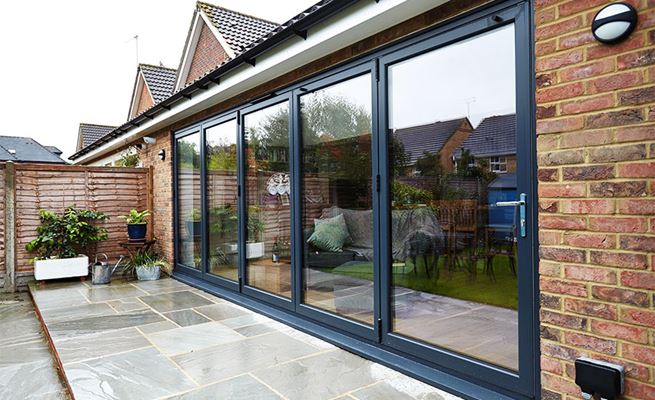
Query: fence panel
(113, 191)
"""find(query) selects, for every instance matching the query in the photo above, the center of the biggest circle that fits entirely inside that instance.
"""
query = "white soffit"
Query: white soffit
(355, 23)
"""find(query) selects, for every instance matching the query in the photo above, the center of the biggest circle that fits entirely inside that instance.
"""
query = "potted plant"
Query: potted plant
(60, 241)
(137, 225)
(193, 223)
(255, 248)
(147, 265)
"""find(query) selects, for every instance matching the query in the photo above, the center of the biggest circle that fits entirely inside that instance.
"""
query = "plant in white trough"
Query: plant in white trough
(61, 241)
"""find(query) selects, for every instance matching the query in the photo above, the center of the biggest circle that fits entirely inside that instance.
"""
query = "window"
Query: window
(498, 164)
(189, 217)
(337, 201)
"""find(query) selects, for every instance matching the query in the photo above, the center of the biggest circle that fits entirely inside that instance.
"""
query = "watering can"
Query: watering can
(101, 271)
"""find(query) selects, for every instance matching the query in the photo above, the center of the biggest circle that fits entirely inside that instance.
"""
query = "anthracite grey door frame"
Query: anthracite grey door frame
(263, 295)
(332, 319)
(448, 369)
(523, 379)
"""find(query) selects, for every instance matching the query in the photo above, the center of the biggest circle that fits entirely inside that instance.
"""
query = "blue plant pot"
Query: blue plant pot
(137, 231)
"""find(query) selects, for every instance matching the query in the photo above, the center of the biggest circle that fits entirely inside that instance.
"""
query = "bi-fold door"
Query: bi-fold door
(392, 200)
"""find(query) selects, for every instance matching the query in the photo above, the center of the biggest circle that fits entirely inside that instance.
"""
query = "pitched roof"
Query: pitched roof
(160, 80)
(239, 30)
(427, 138)
(24, 149)
(295, 26)
(494, 136)
(92, 132)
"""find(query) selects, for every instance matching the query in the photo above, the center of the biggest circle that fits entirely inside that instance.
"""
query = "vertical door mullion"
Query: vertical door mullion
(241, 203)
(298, 238)
(384, 202)
(204, 228)
(376, 157)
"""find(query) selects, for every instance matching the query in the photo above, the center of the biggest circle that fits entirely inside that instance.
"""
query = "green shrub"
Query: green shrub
(66, 235)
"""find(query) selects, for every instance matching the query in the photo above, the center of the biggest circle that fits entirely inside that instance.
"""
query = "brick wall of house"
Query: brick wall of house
(454, 143)
(2, 224)
(208, 55)
(596, 144)
(162, 187)
(145, 101)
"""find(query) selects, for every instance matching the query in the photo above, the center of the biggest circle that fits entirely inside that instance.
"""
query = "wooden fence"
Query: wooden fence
(113, 191)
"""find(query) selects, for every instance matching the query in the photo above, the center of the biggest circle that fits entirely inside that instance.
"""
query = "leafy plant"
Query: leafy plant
(194, 215)
(130, 157)
(66, 235)
(407, 194)
(147, 259)
(136, 217)
(255, 224)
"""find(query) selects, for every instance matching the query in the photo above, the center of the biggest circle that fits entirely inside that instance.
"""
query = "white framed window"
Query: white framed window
(498, 164)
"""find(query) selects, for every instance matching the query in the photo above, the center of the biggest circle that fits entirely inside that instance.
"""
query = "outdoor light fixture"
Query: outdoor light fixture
(162, 154)
(149, 140)
(614, 22)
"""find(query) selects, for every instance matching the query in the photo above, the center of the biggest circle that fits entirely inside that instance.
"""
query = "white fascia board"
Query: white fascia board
(355, 23)
(190, 48)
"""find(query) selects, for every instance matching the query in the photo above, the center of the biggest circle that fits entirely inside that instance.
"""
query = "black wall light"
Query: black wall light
(162, 154)
(614, 22)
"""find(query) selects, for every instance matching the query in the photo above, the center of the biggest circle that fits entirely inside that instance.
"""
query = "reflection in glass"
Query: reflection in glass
(336, 199)
(222, 205)
(452, 156)
(188, 201)
(268, 252)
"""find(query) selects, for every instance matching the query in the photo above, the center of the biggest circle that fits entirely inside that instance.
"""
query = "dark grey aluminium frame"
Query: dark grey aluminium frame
(464, 376)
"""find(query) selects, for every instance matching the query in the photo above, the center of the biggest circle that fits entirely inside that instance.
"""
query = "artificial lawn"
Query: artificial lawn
(458, 284)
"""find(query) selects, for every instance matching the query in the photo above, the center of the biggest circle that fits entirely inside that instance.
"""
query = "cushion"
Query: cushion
(329, 234)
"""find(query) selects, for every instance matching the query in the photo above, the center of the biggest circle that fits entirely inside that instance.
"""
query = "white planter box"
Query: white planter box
(61, 268)
(253, 250)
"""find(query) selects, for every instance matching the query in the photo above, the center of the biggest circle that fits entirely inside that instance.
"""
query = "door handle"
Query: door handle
(521, 203)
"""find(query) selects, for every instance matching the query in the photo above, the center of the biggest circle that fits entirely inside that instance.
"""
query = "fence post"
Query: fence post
(10, 227)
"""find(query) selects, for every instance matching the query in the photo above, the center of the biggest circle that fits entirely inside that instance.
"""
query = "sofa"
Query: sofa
(407, 225)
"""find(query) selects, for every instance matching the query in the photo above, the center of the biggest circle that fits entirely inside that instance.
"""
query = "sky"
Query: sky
(459, 86)
(71, 61)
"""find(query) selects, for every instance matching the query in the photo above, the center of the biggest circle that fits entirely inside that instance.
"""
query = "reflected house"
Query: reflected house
(441, 137)
(493, 144)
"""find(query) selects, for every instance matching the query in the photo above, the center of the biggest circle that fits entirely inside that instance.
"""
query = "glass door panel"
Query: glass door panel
(337, 201)
(189, 237)
(268, 207)
(452, 153)
(222, 199)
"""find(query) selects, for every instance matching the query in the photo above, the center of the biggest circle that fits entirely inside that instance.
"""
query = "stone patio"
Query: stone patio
(27, 370)
(166, 340)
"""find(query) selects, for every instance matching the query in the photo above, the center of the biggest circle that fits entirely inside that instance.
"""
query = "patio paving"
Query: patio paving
(27, 368)
(166, 340)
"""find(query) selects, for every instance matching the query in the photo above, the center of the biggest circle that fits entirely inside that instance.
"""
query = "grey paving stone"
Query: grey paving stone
(100, 344)
(24, 353)
(175, 301)
(192, 338)
(402, 388)
(76, 312)
(84, 326)
(323, 376)
(254, 330)
(219, 312)
(244, 387)
(112, 293)
(158, 327)
(232, 359)
(31, 381)
(161, 286)
(140, 374)
(186, 317)
(127, 304)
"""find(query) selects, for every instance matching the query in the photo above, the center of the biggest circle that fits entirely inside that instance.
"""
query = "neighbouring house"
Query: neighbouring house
(90, 133)
(25, 149)
(493, 142)
(151, 85)
(278, 185)
(438, 138)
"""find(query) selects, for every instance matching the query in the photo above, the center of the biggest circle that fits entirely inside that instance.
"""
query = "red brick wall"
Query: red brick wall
(2, 221)
(145, 101)
(162, 186)
(596, 143)
(208, 55)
